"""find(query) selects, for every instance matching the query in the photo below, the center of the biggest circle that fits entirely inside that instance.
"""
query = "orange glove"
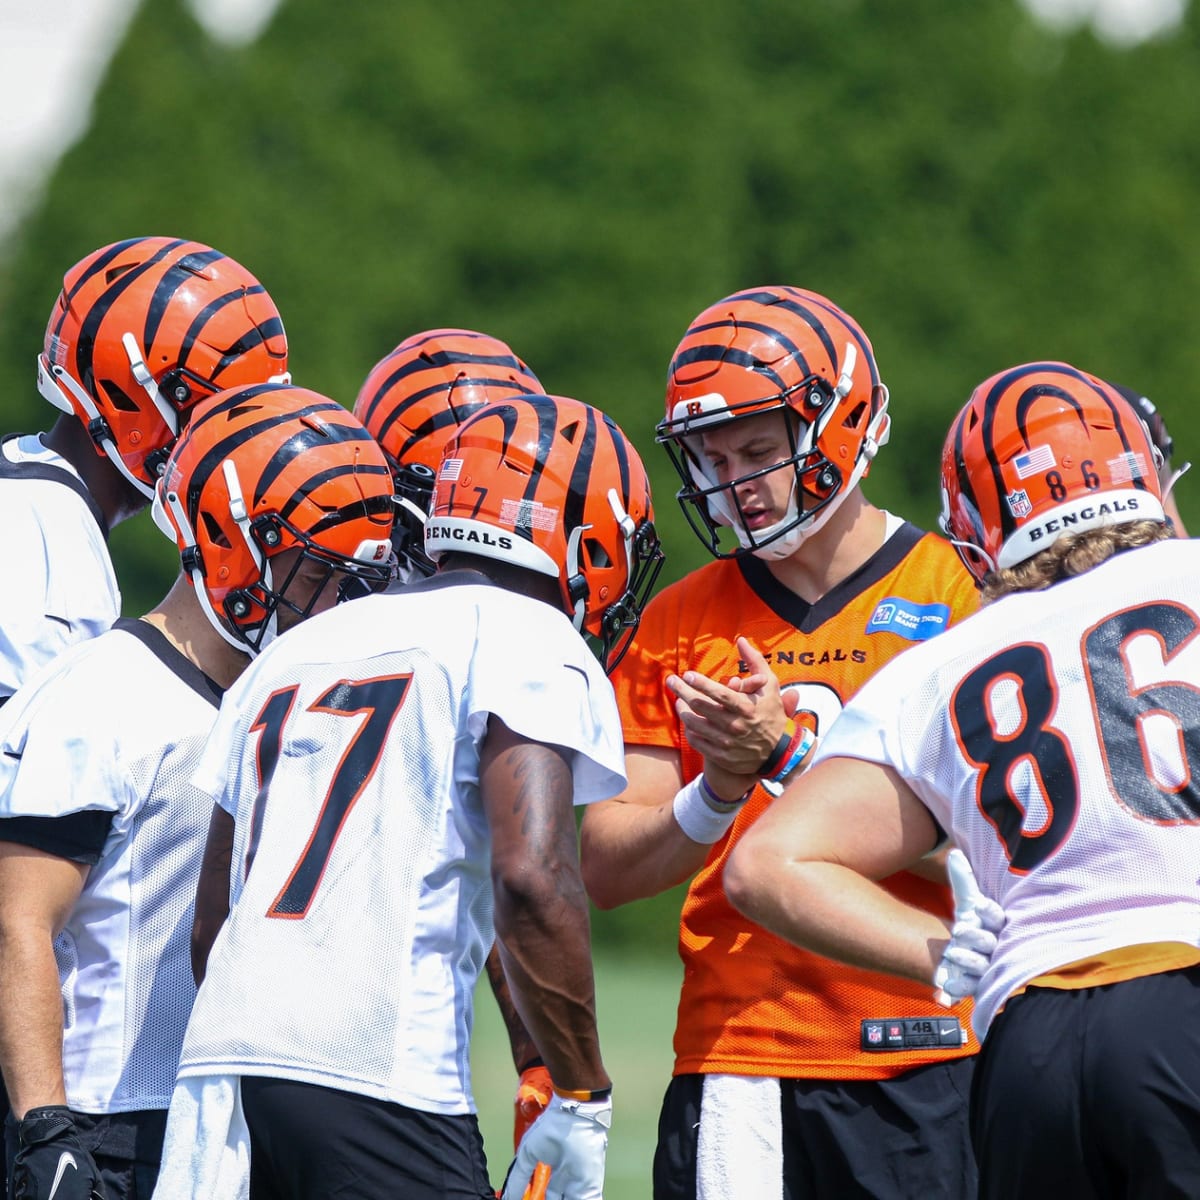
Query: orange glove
(534, 1090)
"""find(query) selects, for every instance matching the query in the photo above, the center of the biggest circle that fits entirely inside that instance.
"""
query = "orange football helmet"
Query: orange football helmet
(1040, 451)
(264, 469)
(145, 328)
(774, 349)
(553, 485)
(414, 399)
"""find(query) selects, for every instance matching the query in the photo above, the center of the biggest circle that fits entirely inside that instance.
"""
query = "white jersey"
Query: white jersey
(59, 585)
(115, 726)
(348, 755)
(1055, 736)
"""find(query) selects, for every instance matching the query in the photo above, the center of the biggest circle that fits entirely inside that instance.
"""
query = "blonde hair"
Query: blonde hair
(1074, 554)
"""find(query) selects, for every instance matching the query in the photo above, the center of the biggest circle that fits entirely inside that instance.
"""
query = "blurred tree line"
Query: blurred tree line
(581, 180)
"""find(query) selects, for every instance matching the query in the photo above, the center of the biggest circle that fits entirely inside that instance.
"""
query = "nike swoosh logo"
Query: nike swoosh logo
(65, 1159)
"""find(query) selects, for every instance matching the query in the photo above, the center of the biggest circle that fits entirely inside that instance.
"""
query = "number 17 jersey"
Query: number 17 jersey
(349, 755)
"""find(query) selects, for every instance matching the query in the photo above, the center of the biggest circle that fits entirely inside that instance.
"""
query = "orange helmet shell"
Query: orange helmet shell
(265, 469)
(774, 349)
(1040, 451)
(184, 317)
(552, 485)
(413, 401)
(417, 395)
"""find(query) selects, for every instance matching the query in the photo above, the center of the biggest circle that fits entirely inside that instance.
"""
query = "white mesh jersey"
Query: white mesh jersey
(361, 894)
(1055, 736)
(59, 585)
(116, 725)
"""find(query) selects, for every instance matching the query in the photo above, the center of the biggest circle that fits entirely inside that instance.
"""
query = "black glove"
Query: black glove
(52, 1163)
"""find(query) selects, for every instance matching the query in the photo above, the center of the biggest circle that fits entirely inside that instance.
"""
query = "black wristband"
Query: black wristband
(776, 757)
(535, 1061)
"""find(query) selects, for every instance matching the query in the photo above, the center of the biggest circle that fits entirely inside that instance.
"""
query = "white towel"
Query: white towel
(206, 1150)
(739, 1152)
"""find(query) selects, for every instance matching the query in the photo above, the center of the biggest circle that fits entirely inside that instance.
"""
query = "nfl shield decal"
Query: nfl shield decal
(1018, 504)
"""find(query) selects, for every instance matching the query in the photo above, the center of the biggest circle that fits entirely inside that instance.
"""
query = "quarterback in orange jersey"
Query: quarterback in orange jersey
(1054, 737)
(794, 1075)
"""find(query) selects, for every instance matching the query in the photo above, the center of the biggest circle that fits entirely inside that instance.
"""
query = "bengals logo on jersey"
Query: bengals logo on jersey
(1041, 450)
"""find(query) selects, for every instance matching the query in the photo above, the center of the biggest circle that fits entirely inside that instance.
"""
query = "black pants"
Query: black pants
(310, 1143)
(1092, 1093)
(891, 1139)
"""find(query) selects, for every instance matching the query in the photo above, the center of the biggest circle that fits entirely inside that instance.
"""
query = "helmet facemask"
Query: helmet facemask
(644, 559)
(819, 485)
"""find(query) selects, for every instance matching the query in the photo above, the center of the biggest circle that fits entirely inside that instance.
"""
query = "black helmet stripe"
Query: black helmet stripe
(318, 479)
(96, 314)
(438, 421)
(99, 264)
(581, 471)
(221, 450)
(440, 359)
(547, 422)
(990, 405)
(621, 449)
(306, 437)
(174, 277)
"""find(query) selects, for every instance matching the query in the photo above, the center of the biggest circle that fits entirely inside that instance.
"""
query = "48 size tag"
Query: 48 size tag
(913, 1033)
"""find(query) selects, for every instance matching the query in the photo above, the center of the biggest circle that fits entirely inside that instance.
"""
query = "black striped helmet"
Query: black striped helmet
(773, 350)
(1040, 451)
(267, 469)
(553, 485)
(144, 329)
(414, 399)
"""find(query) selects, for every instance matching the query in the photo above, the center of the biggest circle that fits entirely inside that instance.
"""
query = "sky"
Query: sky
(53, 54)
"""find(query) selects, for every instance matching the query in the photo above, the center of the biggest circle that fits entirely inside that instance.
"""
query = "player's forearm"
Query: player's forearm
(836, 912)
(520, 1041)
(31, 1029)
(544, 942)
(632, 851)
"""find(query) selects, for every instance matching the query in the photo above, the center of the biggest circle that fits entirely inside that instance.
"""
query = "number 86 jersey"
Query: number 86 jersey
(1056, 736)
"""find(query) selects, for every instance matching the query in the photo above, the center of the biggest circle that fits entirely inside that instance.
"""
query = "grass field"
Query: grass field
(636, 1000)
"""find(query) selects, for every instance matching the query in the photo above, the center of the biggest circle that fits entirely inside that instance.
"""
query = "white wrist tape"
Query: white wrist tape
(698, 818)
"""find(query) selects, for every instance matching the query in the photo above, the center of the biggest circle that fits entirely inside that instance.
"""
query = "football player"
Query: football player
(142, 330)
(273, 495)
(381, 775)
(775, 411)
(1052, 737)
(413, 400)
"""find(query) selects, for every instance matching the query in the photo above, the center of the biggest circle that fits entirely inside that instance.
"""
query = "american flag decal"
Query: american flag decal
(1039, 458)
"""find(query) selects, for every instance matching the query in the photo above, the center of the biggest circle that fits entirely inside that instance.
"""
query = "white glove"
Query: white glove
(571, 1138)
(977, 921)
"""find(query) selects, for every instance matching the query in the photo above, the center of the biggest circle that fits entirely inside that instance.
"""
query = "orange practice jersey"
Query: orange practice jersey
(753, 1004)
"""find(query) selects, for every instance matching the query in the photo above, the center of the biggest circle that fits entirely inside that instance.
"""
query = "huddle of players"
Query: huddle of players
(198, 836)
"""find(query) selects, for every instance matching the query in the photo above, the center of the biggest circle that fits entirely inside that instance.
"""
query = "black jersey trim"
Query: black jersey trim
(78, 836)
(806, 617)
(182, 667)
(41, 470)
